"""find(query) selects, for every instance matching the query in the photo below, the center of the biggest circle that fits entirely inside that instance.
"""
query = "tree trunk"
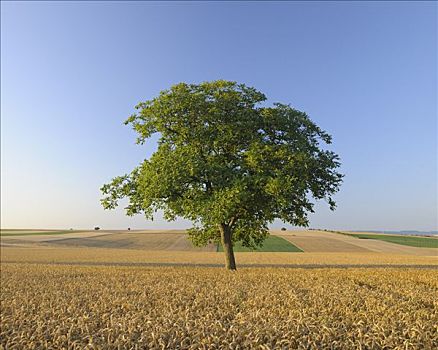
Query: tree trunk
(227, 244)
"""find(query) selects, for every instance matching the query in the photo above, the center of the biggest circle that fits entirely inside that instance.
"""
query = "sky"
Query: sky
(72, 72)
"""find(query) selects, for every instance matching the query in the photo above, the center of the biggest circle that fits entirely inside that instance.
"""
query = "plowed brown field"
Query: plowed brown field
(144, 241)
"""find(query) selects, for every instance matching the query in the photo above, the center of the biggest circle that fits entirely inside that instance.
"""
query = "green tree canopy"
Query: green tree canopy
(226, 163)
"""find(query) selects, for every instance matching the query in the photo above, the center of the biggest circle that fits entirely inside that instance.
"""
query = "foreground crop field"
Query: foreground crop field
(77, 307)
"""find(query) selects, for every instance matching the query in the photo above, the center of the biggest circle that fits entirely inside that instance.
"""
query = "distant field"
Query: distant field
(323, 244)
(412, 241)
(271, 244)
(310, 241)
(34, 233)
(134, 240)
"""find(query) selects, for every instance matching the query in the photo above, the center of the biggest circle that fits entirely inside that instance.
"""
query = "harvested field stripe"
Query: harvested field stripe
(286, 266)
(323, 244)
(59, 254)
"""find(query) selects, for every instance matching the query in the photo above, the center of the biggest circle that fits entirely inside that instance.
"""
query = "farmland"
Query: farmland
(136, 240)
(176, 240)
(323, 241)
(404, 240)
(6, 233)
(152, 290)
(196, 308)
(271, 244)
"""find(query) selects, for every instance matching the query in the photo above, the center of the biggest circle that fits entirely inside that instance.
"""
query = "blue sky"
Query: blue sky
(72, 72)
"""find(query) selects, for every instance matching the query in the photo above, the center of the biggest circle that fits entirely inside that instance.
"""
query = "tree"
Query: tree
(227, 164)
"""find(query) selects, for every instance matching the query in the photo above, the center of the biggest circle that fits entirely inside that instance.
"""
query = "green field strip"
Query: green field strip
(271, 244)
(419, 242)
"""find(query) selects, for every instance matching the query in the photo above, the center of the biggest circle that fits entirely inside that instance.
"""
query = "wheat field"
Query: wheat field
(107, 307)
(129, 256)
